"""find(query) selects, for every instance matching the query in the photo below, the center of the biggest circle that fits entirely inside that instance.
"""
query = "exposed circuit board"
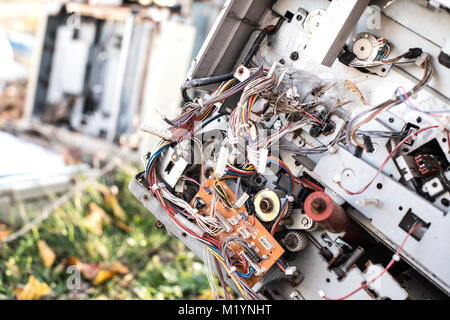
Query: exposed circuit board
(265, 250)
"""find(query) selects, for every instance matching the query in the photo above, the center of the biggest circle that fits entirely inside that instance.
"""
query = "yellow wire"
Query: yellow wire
(221, 260)
(226, 86)
(225, 195)
(249, 110)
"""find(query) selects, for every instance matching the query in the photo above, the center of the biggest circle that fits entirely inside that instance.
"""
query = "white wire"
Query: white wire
(209, 259)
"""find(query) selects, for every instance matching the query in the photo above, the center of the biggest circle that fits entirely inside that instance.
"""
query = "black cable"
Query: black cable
(199, 82)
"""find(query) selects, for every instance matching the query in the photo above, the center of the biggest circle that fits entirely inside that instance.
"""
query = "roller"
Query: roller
(322, 209)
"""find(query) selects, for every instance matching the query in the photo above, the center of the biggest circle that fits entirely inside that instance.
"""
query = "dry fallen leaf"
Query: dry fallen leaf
(113, 204)
(71, 261)
(115, 207)
(102, 276)
(46, 253)
(354, 89)
(89, 271)
(118, 268)
(17, 291)
(4, 234)
(122, 226)
(101, 272)
(95, 219)
(33, 290)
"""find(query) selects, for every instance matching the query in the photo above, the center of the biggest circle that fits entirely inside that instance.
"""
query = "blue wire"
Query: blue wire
(152, 159)
(235, 173)
(176, 209)
(215, 249)
(281, 166)
(246, 275)
(379, 53)
(402, 97)
(282, 264)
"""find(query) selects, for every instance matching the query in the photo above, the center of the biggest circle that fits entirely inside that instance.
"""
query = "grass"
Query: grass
(157, 266)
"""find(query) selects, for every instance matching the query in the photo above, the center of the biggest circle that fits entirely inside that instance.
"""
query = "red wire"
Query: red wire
(311, 116)
(385, 161)
(171, 212)
(222, 281)
(307, 183)
(312, 184)
(391, 263)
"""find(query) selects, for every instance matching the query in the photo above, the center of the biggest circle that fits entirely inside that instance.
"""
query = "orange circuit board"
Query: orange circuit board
(247, 227)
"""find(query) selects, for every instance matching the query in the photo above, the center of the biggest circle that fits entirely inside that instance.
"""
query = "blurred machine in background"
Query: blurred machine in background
(100, 69)
(103, 69)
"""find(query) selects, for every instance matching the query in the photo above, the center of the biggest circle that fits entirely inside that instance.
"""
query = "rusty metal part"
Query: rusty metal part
(322, 209)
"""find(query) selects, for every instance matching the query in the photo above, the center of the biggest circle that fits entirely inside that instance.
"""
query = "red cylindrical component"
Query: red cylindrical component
(321, 208)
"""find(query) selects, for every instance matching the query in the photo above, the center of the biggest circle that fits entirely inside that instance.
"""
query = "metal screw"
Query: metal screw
(159, 225)
(294, 55)
(305, 221)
